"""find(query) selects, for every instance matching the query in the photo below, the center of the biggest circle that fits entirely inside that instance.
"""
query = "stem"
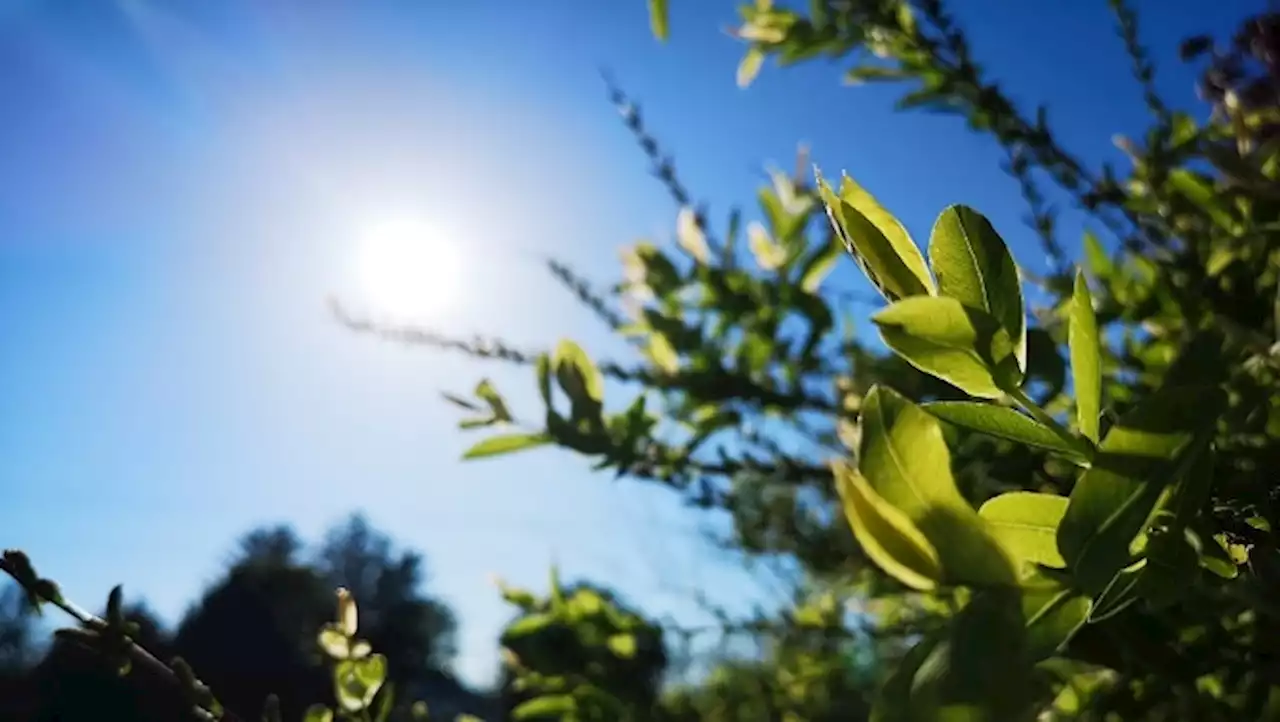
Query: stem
(1031, 407)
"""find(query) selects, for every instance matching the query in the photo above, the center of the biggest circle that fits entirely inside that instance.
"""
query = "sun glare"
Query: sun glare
(408, 269)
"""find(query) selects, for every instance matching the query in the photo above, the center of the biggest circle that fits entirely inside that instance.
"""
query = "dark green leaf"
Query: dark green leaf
(1027, 524)
(893, 701)
(960, 345)
(1007, 423)
(973, 265)
(886, 535)
(877, 241)
(490, 395)
(386, 703)
(1146, 450)
(903, 457)
(507, 444)
(1053, 614)
(1119, 593)
(1086, 364)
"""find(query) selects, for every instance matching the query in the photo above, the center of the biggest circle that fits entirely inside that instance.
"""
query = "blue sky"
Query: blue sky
(183, 185)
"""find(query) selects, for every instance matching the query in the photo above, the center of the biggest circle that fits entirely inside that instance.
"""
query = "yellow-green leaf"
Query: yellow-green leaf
(819, 266)
(749, 67)
(659, 18)
(622, 645)
(877, 241)
(973, 265)
(506, 444)
(944, 338)
(1096, 257)
(1053, 614)
(577, 373)
(886, 534)
(906, 461)
(663, 354)
(551, 706)
(1086, 364)
(769, 255)
(690, 236)
(1007, 423)
(318, 713)
(1027, 524)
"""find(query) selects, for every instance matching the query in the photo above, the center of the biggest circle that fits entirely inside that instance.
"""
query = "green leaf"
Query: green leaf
(1027, 524)
(551, 706)
(659, 19)
(1119, 593)
(507, 444)
(886, 534)
(333, 642)
(819, 266)
(663, 354)
(962, 346)
(750, 65)
(973, 265)
(893, 701)
(1086, 365)
(372, 672)
(1053, 614)
(318, 713)
(979, 671)
(386, 703)
(486, 392)
(527, 625)
(1200, 191)
(1172, 566)
(579, 377)
(622, 645)
(904, 459)
(1096, 257)
(1006, 423)
(876, 240)
(1147, 449)
(690, 236)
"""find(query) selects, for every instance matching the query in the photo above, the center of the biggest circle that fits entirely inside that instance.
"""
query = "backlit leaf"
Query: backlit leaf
(318, 713)
(506, 444)
(905, 460)
(1119, 593)
(690, 236)
(659, 19)
(749, 66)
(886, 534)
(1007, 423)
(877, 241)
(962, 346)
(1027, 524)
(1086, 364)
(819, 266)
(577, 373)
(1147, 449)
(973, 265)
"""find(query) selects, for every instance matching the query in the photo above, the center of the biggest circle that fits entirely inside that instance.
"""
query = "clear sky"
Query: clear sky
(182, 184)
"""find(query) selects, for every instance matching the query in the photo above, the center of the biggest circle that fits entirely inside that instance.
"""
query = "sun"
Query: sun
(408, 268)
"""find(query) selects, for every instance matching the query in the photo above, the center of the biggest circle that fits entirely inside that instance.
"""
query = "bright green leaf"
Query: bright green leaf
(372, 671)
(819, 266)
(690, 236)
(663, 354)
(960, 345)
(1027, 524)
(973, 265)
(877, 241)
(750, 65)
(659, 19)
(1200, 191)
(886, 534)
(551, 706)
(333, 642)
(905, 460)
(1086, 364)
(318, 713)
(506, 444)
(527, 625)
(1096, 257)
(1147, 449)
(1007, 423)
(769, 255)
(577, 374)
(623, 645)
(490, 395)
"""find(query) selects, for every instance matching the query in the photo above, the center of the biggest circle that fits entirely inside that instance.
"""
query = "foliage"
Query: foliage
(1061, 511)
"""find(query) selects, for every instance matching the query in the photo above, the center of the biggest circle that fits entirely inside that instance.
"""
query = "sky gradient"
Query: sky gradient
(183, 185)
